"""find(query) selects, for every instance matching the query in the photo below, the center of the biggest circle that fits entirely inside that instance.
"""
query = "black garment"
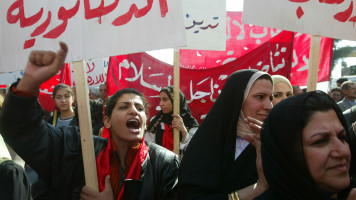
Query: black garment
(14, 183)
(188, 119)
(283, 158)
(209, 169)
(55, 153)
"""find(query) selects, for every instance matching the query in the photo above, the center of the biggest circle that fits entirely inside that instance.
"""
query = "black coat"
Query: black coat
(55, 153)
(209, 169)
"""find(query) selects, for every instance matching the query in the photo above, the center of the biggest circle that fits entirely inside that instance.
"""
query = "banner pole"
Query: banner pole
(86, 133)
(313, 62)
(176, 106)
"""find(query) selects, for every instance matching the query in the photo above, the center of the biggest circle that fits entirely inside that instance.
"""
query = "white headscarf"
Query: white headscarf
(242, 127)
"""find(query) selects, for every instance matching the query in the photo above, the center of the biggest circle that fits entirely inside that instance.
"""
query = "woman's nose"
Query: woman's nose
(133, 111)
(340, 149)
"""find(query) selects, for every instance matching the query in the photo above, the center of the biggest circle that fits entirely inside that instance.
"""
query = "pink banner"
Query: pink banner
(200, 86)
(243, 38)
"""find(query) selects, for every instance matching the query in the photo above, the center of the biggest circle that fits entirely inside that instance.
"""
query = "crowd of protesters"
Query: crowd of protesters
(262, 139)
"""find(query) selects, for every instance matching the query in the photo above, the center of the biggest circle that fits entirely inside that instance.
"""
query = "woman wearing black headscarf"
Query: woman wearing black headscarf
(305, 150)
(160, 129)
(219, 161)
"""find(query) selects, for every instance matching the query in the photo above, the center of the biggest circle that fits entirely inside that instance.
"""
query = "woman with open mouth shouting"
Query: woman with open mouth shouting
(127, 166)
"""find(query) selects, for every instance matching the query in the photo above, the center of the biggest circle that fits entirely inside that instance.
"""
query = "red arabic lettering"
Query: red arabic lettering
(99, 11)
(125, 18)
(100, 80)
(164, 7)
(90, 80)
(89, 68)
(331, 1)
(353, 19)
(343, 16)
(300, 12)
(24, 22)
(64, 15)
(42, 28)
(29, 43)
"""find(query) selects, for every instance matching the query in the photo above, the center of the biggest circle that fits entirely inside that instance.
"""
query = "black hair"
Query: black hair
(341, 80)
(319, 101)
(62, 86)
(336, 89)
(113, 99)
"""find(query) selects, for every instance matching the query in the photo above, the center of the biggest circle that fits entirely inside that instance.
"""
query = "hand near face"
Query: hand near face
(179, 124)
(254, 124)
(41, 66)
(90, 194)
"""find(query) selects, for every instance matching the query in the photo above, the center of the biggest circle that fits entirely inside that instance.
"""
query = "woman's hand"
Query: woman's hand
(179, 124)
(41, 66)
(90, 194)
(254, 124)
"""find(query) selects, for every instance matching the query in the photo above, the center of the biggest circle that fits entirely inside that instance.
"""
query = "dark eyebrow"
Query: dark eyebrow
(260, 93)
(129, 102)
(327, 133)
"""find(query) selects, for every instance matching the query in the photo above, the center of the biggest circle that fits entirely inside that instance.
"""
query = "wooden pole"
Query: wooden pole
(86, 133)
(176, 106)
(313, 62)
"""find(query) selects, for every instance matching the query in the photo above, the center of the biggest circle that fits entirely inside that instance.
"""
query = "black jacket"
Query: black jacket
(55, 153)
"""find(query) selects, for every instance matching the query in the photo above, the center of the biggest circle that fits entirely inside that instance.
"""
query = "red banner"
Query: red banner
(46, 90)
(300, 66)
(243, 38)
(200, 86)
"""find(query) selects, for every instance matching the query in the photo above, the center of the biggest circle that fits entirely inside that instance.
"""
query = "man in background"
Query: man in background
(103, 93)
(348, 88)
(94, 93)
(297, 90)
(340, 81)
(336, 94)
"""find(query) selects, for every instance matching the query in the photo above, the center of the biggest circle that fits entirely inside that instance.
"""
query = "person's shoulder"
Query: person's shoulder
(341, 102)
(160, 153)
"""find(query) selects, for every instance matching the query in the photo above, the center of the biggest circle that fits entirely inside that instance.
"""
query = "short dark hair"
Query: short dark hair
(113, 99)
(319, 101)
(62, 86)
(341, 80)
(336, 89)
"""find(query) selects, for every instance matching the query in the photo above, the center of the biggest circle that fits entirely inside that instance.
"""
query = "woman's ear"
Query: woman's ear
(107, 122)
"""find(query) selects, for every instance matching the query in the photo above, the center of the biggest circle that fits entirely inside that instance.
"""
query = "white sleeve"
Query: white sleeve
(150, 137)
(4, 152)
(184, 144)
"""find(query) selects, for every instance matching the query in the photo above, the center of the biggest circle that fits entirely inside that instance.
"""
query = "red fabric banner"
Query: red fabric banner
(300, 66)
(200, 86)
(243, 38)
(46, 90)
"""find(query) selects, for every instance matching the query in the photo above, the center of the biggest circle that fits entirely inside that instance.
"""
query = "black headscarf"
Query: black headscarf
(188, 119)
(208, 169)
(283, 159)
